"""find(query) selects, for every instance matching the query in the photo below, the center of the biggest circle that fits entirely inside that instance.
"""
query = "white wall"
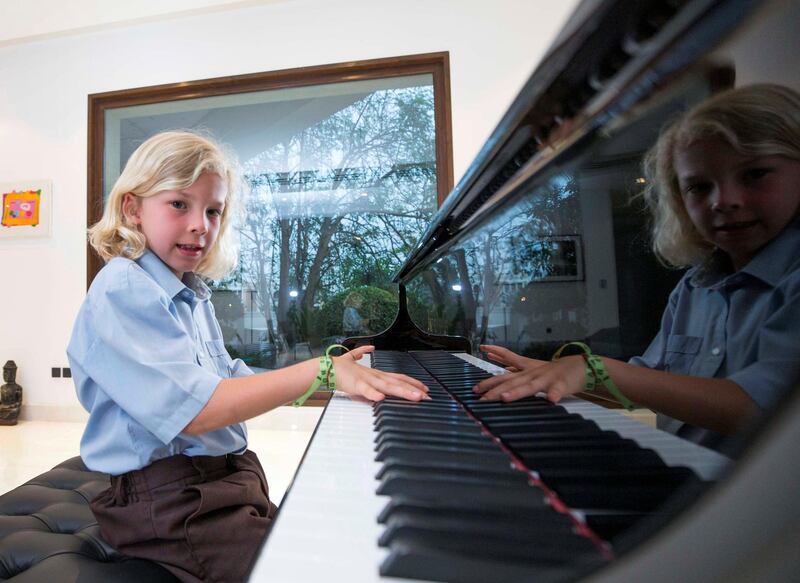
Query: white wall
(43, 119)
(40, 19)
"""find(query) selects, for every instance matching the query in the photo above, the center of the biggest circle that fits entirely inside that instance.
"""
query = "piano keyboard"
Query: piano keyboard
(706, 463)
(479, 508)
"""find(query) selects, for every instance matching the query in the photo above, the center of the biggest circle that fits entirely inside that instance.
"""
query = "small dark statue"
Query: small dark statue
(10, 395)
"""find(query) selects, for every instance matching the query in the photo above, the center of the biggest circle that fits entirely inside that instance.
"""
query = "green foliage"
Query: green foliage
(241, 354)
(424, 312)
(379, 308)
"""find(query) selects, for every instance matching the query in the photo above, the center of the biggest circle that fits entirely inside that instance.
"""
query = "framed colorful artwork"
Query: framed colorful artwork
(26, 209)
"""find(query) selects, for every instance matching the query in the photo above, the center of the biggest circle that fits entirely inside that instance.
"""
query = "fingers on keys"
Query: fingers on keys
(514, 386)
(396, 385)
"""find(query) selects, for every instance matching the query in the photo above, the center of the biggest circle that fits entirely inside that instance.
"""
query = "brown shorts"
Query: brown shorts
(203, 518)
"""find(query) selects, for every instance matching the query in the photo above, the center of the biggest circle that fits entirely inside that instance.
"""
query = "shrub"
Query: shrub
(378, 307)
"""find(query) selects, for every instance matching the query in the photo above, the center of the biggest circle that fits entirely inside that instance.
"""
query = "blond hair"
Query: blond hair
(756, 120)
(169, 161)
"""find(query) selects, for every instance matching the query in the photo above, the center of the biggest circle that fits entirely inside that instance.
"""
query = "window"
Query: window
(345, 166)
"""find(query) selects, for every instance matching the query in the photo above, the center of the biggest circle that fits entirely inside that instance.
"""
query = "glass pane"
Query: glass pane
(568, 258)
(342, 179)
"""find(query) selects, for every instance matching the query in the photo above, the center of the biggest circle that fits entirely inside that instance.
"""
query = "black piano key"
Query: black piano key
(422, 413)
(546, 460)
(476, 447)
(565, 444)
(501, 422)
(521, 422)
(493, 547)
(544, 434)
(530, 429)
(496, 465)
(400, 431)
(470, 490)
(621, 490)
(522, 534)
(534, 411)
(391, 405)
(465, 382)
(413, 439)
(558, 437)
(611, 525)
(454, 469)
(489, 475)
(464, 425)
(416, 561)
(533, 400)
(433, 418)
(486, 512)
(443, 430)
(440, 453)
(430, 437)
(674, 475)
(630, 496)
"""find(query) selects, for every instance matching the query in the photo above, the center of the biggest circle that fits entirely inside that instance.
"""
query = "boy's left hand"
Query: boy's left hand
(558, 379)
(373, 384)
(512, 361)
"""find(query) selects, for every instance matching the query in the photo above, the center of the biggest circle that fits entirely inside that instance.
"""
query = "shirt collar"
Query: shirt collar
(775, 259)
(192, 286)
(769, 265)
(712, 271)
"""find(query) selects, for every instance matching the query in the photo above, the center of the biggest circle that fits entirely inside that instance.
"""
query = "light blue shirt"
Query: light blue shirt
(742, 326)
(146, 355)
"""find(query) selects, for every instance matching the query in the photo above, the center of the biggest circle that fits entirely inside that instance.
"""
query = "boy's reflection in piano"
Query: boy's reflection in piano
(724, 190)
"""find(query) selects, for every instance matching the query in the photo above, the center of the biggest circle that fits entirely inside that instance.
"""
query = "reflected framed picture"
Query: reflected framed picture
(26, 209)
(557, 258)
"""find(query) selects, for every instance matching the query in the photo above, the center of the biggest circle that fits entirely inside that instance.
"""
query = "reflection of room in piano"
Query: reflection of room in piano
(541, 243)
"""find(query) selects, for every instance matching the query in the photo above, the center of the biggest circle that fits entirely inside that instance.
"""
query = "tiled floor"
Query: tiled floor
(279, 438)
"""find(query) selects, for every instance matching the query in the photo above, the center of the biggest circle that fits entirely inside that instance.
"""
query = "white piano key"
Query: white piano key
(327, 527)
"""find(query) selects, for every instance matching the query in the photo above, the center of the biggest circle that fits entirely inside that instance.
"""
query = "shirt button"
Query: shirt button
(715, 351)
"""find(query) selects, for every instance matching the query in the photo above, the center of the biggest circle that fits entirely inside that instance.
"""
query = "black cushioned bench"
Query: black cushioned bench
(48, 533)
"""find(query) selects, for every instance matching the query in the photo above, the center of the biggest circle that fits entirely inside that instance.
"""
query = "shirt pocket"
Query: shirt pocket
(681, 353)
(219, 356)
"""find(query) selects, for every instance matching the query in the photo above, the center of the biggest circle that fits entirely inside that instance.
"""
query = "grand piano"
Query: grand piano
(541, 242)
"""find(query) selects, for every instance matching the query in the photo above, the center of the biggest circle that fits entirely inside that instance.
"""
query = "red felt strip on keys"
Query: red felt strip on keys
(550, 496)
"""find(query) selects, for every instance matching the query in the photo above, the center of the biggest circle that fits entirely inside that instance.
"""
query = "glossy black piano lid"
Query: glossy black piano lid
(610, 56)
(562, 250)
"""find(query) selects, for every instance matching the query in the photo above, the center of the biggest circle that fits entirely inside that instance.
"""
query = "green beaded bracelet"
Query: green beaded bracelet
(325, 366)
(596, 373)
(331, 378)
(326, 376)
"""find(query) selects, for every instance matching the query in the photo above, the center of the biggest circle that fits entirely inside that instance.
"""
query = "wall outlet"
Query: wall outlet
(55, 372)
(66, 372)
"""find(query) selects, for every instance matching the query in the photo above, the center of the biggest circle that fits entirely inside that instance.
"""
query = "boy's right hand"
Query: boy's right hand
(375, 385)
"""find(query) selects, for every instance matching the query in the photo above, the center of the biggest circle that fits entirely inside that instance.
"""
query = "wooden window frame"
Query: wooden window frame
(435, 64)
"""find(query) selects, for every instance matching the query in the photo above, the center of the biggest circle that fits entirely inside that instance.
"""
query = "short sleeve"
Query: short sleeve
(240, 369)
(143, 358)
(776, 369)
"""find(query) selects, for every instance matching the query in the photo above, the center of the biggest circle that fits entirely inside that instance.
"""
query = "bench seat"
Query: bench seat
(48, 533)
